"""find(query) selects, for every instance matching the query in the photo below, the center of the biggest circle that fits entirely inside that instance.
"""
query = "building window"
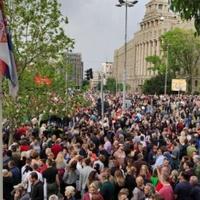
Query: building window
(196, 83)
(160, 6)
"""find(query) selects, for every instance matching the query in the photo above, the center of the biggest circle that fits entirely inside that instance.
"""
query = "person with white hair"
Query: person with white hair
(69, 193)
(53, 197)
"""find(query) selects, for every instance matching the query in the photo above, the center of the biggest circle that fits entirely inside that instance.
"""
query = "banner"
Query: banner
(179, 85)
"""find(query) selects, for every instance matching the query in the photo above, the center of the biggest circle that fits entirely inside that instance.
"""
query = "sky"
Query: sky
(98, 27)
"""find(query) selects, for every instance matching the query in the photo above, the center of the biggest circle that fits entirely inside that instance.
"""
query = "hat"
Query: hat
(20, 185)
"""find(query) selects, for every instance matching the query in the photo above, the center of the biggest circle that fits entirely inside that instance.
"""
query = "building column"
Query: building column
(137, 60)
(149, 54)
(143, 56)
(140, 58)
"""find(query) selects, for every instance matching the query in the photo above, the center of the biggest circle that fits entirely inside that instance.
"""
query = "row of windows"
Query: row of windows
(157, 6)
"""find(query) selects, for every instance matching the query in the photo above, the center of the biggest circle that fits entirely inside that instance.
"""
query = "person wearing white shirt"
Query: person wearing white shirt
(26, 169)
(26, 178)
(159, 159)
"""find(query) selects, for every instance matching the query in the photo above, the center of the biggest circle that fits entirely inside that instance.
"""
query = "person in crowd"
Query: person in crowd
(119, 182)
(52, 178)
(7, 184)
(84, 174)
(120, 155)
(69, 193)
(149, 191)
(107, 187)
(15, 172)
(159, 159)
(37, 191)
(53, 197)
(196, 160)
(152, 155)
(183, 188)
(195, 192)
(123, 194)
(166, 191)
(138, 192)
(93, 192)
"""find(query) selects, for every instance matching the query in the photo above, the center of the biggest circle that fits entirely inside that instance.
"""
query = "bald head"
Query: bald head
(194, 180)
(139, 181)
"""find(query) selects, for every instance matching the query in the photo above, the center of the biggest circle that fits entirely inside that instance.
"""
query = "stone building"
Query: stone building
(96, 80)
(157, 20)
(75, 60)
(107, 69)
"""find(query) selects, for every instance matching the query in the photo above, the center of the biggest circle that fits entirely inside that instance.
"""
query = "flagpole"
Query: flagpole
(1, 127)
(1, 141)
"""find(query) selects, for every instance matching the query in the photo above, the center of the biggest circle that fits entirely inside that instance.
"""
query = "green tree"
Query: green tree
(85, 85)
(159, 65)
(188, 9)
(40, 44)
(37, 31)
(182, 50)
(110, 85)
(155, 85)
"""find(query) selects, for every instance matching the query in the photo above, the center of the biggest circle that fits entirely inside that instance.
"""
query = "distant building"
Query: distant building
(107, 70)
(158, 19)
(75, 60)
(96, 80)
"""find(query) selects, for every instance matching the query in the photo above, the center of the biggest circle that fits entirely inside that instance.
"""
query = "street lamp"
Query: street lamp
(166, 71)
(127, 4)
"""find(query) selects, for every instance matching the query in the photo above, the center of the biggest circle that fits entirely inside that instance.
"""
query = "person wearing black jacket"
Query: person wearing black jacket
(195, 192)
(37, 192)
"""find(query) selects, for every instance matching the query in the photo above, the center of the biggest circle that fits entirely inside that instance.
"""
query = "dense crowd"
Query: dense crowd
(150, 151)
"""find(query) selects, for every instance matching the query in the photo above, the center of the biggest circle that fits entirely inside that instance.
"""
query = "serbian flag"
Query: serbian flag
(7, 62)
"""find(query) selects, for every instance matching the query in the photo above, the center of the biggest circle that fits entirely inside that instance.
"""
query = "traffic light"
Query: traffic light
(89, 74)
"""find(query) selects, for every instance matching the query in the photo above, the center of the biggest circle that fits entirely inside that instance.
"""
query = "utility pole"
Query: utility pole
(166, 71)
(102, 96)
(127, 4)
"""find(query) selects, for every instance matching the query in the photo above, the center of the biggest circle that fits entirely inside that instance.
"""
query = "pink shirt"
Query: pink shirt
(166, 192)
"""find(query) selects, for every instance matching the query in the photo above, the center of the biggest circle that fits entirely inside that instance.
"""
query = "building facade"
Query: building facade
(76, 76)
(96, 80)
(107, 69)
(157, 20)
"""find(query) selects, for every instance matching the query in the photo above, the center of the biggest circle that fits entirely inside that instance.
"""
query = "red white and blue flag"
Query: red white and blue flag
(7, 61)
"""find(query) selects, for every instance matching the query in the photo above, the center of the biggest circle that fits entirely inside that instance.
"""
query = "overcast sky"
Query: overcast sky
(98, 27)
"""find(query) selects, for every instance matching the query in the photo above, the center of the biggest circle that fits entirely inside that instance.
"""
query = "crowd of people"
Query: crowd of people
(150, 151)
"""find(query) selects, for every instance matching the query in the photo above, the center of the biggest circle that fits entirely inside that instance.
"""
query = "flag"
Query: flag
(42, 80)
(7, 61)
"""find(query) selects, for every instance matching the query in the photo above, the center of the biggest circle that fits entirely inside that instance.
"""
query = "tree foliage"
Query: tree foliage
(37, 31)
(40, 46)
(155, 85)
(182, 50)
(188, 9)
(159, 65)
(110, 85)
(181, 56)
